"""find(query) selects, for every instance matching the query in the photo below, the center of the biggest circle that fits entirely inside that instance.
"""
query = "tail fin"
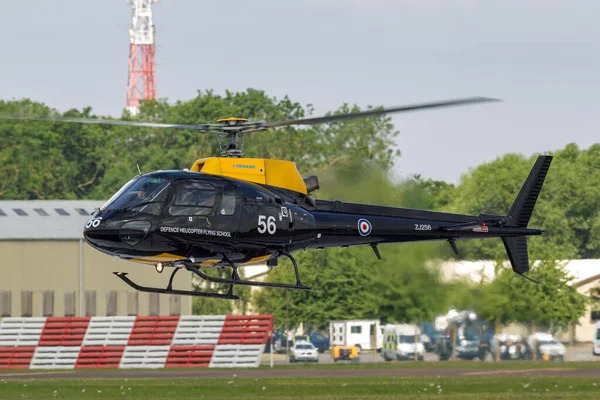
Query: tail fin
(521, 210)
(520, 213)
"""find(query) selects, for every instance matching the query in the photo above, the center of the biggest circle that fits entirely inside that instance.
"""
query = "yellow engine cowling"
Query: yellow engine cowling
(276, 173)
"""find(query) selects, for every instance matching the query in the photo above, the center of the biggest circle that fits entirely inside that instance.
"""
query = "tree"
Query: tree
(462, 294)
(553, 304)
(43, 160)
(438, 194)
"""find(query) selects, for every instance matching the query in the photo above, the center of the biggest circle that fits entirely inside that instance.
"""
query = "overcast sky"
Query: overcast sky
(541, 57)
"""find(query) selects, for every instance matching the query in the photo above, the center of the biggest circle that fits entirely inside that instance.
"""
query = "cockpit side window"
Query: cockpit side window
(228, 201)
(193, 198)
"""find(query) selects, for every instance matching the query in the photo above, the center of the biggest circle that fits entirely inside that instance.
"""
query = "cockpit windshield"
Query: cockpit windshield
(144, 194)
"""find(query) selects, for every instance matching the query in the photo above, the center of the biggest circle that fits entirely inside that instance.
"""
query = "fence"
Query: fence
(213, 341)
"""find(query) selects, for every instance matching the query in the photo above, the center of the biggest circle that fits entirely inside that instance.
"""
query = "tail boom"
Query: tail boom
(348, 224)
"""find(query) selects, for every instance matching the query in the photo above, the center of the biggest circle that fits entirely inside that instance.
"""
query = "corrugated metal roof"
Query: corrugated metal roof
(45, 219)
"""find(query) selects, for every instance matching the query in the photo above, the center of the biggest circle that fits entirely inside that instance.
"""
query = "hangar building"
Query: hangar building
(48, 269)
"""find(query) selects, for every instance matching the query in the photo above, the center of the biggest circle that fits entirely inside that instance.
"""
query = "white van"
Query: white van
(364, 334)
(596, 349)
(401, 342)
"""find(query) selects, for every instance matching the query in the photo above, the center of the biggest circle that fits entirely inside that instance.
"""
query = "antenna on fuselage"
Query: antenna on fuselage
(139, 170)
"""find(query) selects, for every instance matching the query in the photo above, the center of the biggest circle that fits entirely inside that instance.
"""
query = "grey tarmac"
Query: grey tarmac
(284, 372)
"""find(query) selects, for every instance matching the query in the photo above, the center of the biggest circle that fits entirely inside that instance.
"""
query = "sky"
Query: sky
(540, 57)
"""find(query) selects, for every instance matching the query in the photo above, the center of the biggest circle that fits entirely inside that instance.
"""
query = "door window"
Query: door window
(228, 201)
(193, 198)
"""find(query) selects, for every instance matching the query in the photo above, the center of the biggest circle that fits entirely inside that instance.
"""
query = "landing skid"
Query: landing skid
(234, 280)
(169, 290)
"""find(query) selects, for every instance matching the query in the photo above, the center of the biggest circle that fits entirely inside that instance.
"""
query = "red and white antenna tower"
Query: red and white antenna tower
(141, 83)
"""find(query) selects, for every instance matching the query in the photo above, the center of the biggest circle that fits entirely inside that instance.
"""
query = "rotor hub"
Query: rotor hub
(232, 121)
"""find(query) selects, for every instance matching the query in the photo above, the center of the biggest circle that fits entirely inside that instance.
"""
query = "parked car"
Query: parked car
(320, 341)
(472, 335)
(547, 347)
(303, 351)
(510, 347)
(465, 349)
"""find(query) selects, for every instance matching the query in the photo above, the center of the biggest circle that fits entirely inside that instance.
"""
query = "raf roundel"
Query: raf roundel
(364, 227)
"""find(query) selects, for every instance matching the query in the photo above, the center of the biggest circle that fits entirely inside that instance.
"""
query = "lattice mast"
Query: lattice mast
(141, 82)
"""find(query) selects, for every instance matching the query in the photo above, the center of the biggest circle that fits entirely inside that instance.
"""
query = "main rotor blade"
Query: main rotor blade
(201, 127)
(413, 107)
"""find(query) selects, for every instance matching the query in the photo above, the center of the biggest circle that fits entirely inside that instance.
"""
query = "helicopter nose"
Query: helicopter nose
(112, 235)
(101, 233)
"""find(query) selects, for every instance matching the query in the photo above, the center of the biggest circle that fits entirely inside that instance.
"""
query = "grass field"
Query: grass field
(478, 387)
(297, 388)
(441, 365)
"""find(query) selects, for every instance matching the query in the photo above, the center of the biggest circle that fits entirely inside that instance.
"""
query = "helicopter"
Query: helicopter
(232, 211)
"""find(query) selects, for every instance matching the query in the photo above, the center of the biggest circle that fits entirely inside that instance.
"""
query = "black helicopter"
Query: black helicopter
(232, 211)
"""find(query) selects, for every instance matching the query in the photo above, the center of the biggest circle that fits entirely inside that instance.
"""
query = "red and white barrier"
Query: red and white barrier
(214, 341)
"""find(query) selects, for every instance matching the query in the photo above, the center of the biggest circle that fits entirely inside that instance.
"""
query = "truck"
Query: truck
(364, 334)
(401, 342)
(471, 339)
(321, 342)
